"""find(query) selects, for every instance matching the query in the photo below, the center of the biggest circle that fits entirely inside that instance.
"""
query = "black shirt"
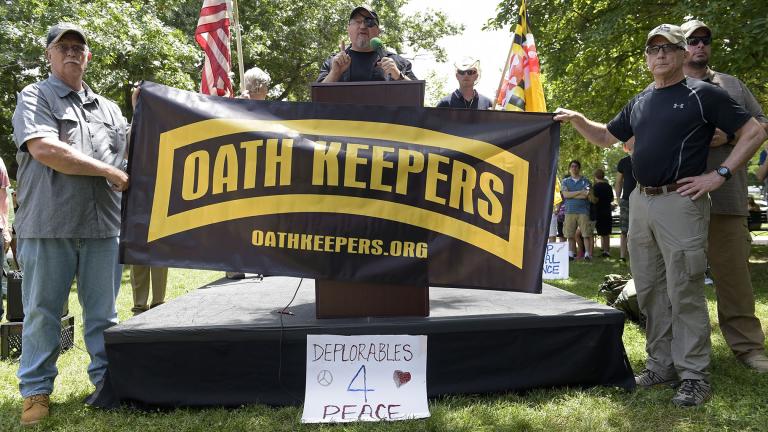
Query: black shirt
(604, 193)
(628, 183)
(673, 127)
(363, 67)
(456, 100)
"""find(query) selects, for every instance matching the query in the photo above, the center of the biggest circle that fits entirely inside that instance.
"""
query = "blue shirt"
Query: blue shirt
(575, 205)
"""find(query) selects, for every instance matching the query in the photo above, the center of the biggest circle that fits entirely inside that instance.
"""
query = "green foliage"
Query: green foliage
(154, 40)
(592, 51)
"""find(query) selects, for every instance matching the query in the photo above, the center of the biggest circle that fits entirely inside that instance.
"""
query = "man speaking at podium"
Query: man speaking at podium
(363, 61)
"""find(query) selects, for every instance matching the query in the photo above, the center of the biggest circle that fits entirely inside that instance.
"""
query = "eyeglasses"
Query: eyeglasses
(693, 41)
(367, 21)
(76, 49)
(666, 48)
(469, 72)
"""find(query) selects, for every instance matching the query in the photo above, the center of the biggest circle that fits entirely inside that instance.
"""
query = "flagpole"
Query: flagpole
(238, 39)
(509, 56)
(504, 72)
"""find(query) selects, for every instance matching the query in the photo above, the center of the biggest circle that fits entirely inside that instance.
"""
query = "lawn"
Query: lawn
(740, 402)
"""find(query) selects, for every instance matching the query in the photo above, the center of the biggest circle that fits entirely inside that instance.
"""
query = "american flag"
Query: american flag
(212, 34)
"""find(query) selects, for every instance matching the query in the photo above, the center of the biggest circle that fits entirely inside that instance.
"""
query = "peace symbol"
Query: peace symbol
(324, 378)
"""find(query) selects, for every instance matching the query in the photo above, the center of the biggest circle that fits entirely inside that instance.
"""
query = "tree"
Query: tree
(592, 51)
(127, 41)
(154, 40)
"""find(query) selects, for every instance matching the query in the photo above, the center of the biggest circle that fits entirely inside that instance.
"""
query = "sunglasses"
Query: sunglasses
(367, 21)
(469, 72)
(666, 48)
(693, 41)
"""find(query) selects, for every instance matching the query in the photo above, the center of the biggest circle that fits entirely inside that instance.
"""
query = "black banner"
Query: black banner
(381, 194)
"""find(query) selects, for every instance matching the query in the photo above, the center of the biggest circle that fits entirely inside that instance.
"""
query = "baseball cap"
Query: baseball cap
(59, 30)
(366, 8)
(671, 32)
(691, 26)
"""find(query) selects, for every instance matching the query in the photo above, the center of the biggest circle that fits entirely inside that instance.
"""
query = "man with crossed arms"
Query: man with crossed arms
(729, 237)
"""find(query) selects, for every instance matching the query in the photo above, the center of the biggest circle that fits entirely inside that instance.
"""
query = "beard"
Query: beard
(698, 63)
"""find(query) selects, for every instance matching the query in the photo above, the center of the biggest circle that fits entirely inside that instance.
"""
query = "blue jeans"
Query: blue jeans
(50, 265)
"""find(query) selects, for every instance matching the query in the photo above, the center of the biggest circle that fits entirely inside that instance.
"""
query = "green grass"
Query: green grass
(740, 402)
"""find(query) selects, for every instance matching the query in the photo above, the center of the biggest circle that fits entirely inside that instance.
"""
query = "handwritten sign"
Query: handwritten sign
(555, 261)
(365, 378)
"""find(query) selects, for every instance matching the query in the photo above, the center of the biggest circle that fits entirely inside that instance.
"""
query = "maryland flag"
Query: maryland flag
(520, 88)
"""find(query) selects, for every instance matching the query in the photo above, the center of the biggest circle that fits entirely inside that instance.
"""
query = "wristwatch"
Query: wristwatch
(724, 172)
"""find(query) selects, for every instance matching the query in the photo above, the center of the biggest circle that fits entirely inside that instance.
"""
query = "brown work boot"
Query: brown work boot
(35, 409)
(758, 362)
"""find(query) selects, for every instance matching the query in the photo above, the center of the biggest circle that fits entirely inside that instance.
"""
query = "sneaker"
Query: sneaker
(692, 392)
(35, 409)
(757, 362)
(570, 258)
(587, 258)
(605, 255)
(708, 281)
(648, 378)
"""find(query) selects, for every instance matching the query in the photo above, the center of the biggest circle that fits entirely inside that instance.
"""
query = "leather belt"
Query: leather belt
(658, 190)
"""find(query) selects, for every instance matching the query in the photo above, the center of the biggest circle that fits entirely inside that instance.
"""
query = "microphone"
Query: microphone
(378, 46)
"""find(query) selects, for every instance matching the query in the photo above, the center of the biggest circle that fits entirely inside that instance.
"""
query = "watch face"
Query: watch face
(723, 171)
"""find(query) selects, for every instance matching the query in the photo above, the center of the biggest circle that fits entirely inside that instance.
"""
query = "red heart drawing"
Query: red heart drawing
(401, 377)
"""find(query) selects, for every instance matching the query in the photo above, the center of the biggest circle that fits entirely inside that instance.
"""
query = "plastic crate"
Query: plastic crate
(10, 337)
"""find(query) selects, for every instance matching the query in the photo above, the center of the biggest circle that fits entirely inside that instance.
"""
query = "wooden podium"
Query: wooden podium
(343, 299)
(398, 93)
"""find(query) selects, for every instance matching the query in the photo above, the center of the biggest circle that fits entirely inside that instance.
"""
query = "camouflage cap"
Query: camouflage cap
(670, 32)
(691, 26)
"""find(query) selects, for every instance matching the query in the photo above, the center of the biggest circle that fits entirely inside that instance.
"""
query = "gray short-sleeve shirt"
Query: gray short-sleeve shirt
(57, 205)
(731, 197)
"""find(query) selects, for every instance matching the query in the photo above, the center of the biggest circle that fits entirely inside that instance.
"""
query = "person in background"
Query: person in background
(256, 88)
(603, 192)
(140, 282)
(625, 184)
(256, 84)
(5, 229)
(467, 74)
(728, 236)
(575, 190)
(762, 173)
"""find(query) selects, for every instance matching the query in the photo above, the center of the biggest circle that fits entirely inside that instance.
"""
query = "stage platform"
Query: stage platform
(223, 344)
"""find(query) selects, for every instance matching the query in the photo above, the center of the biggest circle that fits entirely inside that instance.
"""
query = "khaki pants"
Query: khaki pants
(730, 246)
(667, 243)
(140, 276)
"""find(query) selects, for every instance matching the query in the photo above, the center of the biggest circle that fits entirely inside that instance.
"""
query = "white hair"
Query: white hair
(255, 79)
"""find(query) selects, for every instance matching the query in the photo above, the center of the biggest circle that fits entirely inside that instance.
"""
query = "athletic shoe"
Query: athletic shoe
(757, 362)
(648, 378)
(692, 392)
(587, 258)
(605, 255)
(708, 281)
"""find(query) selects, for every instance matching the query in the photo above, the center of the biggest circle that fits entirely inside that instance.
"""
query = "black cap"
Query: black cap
(366, 8)
(59, 30)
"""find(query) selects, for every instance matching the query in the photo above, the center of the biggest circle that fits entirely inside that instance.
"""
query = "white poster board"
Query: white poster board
(365, 378)
(556, 261)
